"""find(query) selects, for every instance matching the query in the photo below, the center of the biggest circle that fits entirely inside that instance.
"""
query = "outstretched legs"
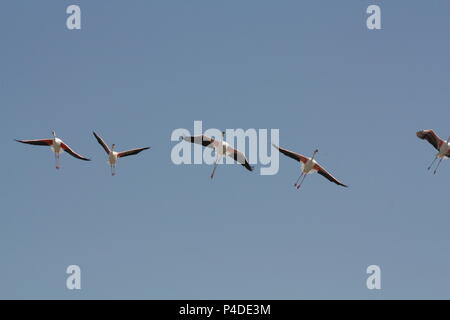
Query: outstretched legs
(296, 182)
(113, 169)
(57, 160)
(439, 163)
(301, 182)
(437, 167)
(435, 158)
(215, 167)
(302, 177)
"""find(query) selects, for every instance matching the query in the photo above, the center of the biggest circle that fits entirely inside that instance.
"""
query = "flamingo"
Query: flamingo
(443, 147)
(113, 156)
(57, 145)
(221, 149)
(308, 166)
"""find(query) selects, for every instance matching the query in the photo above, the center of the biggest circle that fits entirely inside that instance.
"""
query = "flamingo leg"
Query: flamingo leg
(215, 167)
(301, 182)
(57, 160)
(435, 158)
(215, 164)
(296, 182)
(437, 167)
(113, 169)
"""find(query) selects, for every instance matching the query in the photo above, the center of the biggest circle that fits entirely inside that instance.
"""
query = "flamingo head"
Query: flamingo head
(54, 134)
(316, 151)
(113, 146)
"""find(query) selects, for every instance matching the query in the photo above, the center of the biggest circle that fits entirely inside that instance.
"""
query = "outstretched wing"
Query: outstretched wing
(131, 152)
(67, 149)
(239, 157)
(102, 143)
(327, 175)
(203, 140)
(291, 154)
(37, 142)
(431, 137)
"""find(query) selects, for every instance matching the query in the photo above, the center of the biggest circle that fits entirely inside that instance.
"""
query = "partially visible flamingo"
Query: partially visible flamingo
(57, 145)
(113, 156)
(308, 166)
(222, 149)
(443, 147)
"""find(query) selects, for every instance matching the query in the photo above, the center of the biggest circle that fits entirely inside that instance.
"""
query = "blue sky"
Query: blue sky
(140, 69)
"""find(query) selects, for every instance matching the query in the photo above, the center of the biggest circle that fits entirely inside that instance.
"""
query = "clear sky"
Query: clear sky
(137, 70)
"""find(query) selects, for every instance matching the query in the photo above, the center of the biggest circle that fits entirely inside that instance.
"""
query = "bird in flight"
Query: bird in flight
(57, 145)
(308, 166)
(113, 156)
(443, 147)
(222, 149)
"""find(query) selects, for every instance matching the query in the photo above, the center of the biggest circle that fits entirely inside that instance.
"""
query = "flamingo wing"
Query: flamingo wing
(291, 154)
(327, 175)
(203, 140)
(239, 157)
(131, 152)
(431, 137)
(38, 142)
(67, 149)
(102, 143)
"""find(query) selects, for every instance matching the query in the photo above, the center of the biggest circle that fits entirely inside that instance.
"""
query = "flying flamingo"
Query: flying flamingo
(113, 156)
(57, 145)
(443, 147)
(308, 166)
(221, 149)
